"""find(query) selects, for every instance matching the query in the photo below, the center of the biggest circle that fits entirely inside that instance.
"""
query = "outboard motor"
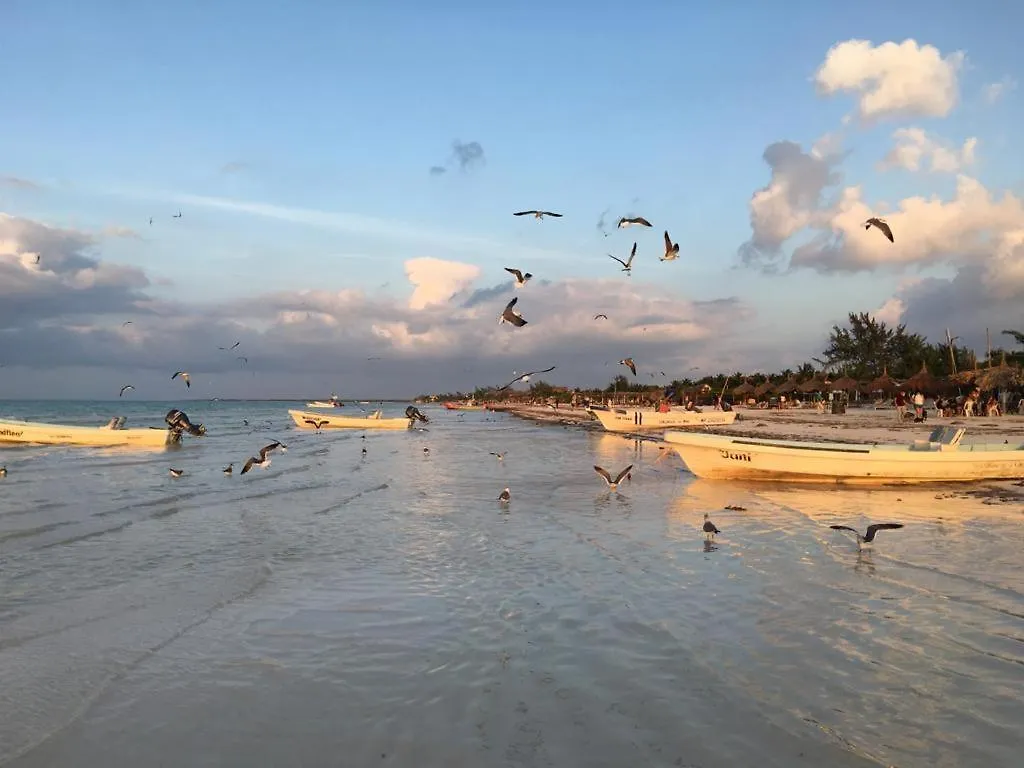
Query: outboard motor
(413, 413)
(178, 422)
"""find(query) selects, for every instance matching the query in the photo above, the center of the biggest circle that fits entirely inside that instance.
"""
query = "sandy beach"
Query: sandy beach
(857, 425)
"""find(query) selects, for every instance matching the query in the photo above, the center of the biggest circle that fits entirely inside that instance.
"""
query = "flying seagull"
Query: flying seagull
(525, 377)
(151, 221)
(177, 215)
(627, 266)
(124, 389)
(602, 314)
(710, 529)
(505, 496)
(264, 458)
(501, 456)
(612, 484)
(126, 322)
(884, 228)
(177, 472)
(869, 535)
(538, 214)
(638, 220)
(228, 349)
(628, 362)
(317, 424)
(184, 377)
(229, 468)
(245, 360)
(520, 277)
(671, 249)
(511, 315)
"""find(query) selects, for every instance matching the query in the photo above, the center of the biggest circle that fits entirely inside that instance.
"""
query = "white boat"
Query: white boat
(939, 459)
(319, 420)
(334, 402)
(110, 435)
(643, 419)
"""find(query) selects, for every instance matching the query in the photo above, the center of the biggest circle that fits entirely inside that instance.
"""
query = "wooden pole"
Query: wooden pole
(988, 346)
(952, 354)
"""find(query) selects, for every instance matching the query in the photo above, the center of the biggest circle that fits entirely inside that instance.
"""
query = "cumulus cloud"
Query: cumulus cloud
(914, 149)
(993, 92)
(791, 201)
(67, 313)
(892, 79)
(435, 280)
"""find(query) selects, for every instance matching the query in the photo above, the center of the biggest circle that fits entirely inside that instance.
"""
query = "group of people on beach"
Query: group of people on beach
(974, 403)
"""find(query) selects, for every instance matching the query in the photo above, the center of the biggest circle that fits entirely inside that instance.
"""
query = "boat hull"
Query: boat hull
(464, 407)
(722, 457)
(39, 433)
(641, 420)
(302, 420)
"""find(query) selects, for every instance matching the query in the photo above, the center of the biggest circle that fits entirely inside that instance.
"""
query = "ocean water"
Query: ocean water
(341, 610)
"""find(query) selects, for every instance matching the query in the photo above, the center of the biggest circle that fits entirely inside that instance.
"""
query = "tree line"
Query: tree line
(863, 349)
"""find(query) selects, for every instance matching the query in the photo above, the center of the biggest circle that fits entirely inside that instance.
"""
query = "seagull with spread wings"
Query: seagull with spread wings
(628, 362)
(521, 278)
(881, 225)
(868, 536)
(525, 377)
(538, 214)
(627, 266)
(511, 315)
(613, 484)
(184, 377)
(671, 249)
(639, 221)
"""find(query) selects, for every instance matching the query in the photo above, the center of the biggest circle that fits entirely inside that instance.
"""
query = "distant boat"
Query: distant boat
(334, 402)
(939, 459)
(644, 419)
(470, 405)
(318, 421)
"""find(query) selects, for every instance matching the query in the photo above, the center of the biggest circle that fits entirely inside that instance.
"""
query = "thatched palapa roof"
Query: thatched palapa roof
(763, 389)
(814, 384)
(743, 389)
(787, 386)
(845, 384)
(924, 381)
(883, 383)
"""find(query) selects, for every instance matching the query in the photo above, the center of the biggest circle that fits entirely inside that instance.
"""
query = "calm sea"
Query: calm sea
(341, 610)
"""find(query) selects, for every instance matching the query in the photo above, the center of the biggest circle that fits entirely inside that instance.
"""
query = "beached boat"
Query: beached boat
(112, 434)
(939, 459)
(644, 419)
(470, 406)
(319, 420)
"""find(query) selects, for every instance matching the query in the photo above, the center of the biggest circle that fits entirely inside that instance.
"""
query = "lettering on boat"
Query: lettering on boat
(11, 432)
(734, 455)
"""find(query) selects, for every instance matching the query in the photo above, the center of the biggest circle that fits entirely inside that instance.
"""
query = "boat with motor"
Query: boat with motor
(112, 434)
(374, 420)
(941, 458)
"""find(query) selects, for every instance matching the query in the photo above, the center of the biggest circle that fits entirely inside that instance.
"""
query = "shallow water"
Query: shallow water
(340, 610)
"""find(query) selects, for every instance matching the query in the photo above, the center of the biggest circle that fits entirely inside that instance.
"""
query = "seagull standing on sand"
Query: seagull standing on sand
(671, 249)
(884, 228)
(869, 535)
(521, 278)
(627, 266)
(124, 389)
(628, 362)
(505, 496)
(263, 459)
(525, 377)
(639, 221)
(538, 214)
(512, 316)
(177, 472)
(612, 484)
(710, 529)
(184, 377)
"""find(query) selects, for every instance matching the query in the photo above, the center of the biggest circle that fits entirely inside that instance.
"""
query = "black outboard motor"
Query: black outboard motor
(413, 413)
(178, 422)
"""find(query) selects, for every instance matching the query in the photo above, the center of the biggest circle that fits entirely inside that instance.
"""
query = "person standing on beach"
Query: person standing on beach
(901, 406)
(919, 405)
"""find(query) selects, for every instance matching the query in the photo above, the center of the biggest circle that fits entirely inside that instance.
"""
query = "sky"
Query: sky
(346, 176)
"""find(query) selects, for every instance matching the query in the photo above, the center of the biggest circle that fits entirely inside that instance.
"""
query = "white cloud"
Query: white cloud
(436, 281)
(993, 92)
(915, 148)
(890, 312)
(67, 312)
(892, 79)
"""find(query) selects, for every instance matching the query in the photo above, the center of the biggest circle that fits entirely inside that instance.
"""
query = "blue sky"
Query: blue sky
(340, 108)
